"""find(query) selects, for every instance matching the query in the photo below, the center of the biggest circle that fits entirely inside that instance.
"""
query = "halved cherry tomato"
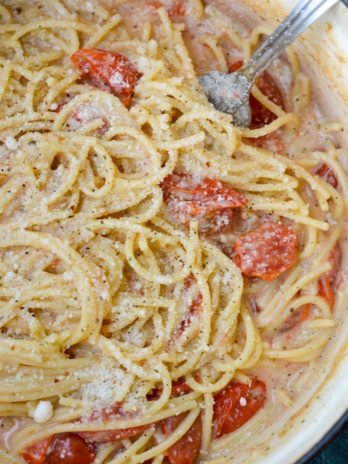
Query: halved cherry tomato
(64, 448)
(260, 115)
(196, 305)
(328, 280)
(154, 5)
(107, 436)
(297, 317)
(326, 291)
(108, 71)
(266, 251)
(176, 10)
(36, 454)
(70, 448)
(327, 174)
(236, 404)
(185, 450)
(193, 311)
(209, 201)
(179, 388)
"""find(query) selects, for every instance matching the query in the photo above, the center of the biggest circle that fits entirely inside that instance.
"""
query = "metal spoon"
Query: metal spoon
(229, 93)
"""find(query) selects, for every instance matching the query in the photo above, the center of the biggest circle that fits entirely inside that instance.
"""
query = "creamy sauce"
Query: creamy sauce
(285, 380)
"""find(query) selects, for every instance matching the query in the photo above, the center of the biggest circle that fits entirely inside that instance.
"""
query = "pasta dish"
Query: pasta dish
(167, 279)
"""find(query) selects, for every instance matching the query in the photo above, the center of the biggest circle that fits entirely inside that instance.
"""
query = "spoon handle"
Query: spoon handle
(302, 16)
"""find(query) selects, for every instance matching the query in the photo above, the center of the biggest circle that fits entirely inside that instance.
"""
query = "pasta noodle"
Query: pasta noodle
(110, 304)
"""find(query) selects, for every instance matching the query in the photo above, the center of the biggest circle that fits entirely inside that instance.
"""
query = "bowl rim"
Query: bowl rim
(329, 436)
(336, 429)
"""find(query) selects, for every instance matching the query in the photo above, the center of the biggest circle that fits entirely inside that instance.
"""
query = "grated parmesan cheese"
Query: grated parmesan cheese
(11, 143)
(106, 385)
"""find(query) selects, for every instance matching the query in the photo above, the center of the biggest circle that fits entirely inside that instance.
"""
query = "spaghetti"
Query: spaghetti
(154, 258)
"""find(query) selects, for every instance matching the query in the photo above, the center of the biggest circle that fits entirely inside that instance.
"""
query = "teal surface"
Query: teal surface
(336, 452)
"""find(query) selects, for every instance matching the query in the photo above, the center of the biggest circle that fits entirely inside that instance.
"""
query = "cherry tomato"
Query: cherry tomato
(297, 317)
(260, 116)
(236, 404)
(70, 448)
(86, 113)
(327, 174)
(176, 10)
(185, 450)
(108, 71)
(154, 5)
(179, 388)
(36, 454)
(209, 201)
(267, 251)
(107, 436)
(328, 280)
(194, 310)
(326, 291)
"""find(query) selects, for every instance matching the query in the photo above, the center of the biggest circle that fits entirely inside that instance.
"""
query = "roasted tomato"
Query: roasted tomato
(179, 388)
(267, 251)
(327, 174)
(327, 282)
(194, 310)
(64, 448)
(108, 71)
(260, 115)
(236, 404)
(106, 436)
(185, 450)
(209, 201)
(36, 454)
(176, 11)
(70, 448)
(297, 317)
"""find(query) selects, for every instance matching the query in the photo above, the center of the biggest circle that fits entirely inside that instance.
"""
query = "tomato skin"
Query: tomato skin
(108, 436)
(266, 251)
(179, 388)
(327, 281)
(260, 116)
(229, 414)
(209, 201)
(196, 305)
(326, 291)
(70, 448)
(194, 310)
(176, 10)
(297, 317)
(185, 450)
(64, 448)
(36, 453)
(327, 174)
(108, 71)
